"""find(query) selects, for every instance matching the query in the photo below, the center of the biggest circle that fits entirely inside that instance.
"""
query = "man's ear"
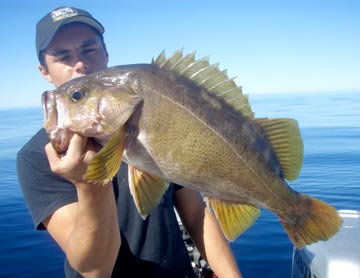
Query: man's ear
(106, 53)
(45, 73)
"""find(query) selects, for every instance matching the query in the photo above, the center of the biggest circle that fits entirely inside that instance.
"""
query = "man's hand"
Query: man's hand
(74, 163)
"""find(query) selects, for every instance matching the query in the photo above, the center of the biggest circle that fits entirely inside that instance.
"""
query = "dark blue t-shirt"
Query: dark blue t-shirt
(150, 248)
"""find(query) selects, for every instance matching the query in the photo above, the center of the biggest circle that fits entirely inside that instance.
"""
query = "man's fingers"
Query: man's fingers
(72, 165)
(77, 146)
(49, 149)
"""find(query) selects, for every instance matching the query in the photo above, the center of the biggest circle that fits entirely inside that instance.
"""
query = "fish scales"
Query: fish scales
(183, 100)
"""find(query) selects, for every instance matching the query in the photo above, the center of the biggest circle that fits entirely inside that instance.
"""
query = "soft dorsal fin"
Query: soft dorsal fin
(208, 77)
(285, 138)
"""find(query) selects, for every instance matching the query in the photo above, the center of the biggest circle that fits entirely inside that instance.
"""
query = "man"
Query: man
(98, 227)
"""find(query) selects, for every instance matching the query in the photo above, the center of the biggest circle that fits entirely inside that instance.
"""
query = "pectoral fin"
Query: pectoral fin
(106, 163)
(234, 219)
(146, 190)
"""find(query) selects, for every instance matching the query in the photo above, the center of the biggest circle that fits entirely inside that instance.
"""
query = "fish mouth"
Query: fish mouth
(53, 113)
(49, 110)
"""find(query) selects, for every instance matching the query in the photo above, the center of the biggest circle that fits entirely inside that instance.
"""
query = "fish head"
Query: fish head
(92, 106)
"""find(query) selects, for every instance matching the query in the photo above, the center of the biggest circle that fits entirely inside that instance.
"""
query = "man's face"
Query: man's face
(76, 50)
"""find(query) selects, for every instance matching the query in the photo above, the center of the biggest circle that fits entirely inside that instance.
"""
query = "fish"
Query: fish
(182, 120)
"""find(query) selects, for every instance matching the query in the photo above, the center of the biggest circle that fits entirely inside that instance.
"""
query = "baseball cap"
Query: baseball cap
(47, 27)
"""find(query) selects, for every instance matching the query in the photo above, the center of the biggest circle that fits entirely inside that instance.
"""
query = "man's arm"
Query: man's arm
(205, 232)
(88, 230)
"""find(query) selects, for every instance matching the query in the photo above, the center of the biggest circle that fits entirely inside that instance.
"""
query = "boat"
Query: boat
(338, 257)
(199, 265)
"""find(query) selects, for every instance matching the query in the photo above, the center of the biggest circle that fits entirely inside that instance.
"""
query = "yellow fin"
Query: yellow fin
(285, 138)
(208, 77)
(106, 163)
(234, 219)
(318, 221)
(146, 190)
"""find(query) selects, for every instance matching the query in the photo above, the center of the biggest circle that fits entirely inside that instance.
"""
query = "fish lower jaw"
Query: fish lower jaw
(60, 139)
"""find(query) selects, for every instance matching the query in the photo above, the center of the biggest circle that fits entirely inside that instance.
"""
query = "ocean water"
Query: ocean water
(330, 126)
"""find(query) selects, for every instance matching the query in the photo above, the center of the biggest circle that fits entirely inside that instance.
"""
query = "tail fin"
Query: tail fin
(320, 221)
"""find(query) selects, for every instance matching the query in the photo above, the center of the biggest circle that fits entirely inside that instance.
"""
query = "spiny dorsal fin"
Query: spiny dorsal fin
(207, 76)
(285, 138)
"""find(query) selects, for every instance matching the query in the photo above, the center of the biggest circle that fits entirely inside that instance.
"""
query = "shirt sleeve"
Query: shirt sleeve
(44, 192)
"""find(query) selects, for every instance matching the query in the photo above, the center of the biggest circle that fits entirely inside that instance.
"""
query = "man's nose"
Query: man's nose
(81, 66)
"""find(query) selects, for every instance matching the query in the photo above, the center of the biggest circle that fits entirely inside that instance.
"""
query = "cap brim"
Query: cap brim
(76, 19)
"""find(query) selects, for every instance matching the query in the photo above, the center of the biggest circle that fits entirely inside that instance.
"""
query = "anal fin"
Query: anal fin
(146, 190)
(234, 219)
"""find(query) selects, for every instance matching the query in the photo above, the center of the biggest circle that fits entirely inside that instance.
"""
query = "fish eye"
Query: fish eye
(77, 94)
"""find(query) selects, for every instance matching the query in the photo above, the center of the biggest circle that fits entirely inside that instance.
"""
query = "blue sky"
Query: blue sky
(305, 46)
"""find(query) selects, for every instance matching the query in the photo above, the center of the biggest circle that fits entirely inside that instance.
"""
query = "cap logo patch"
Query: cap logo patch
(63, 13)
